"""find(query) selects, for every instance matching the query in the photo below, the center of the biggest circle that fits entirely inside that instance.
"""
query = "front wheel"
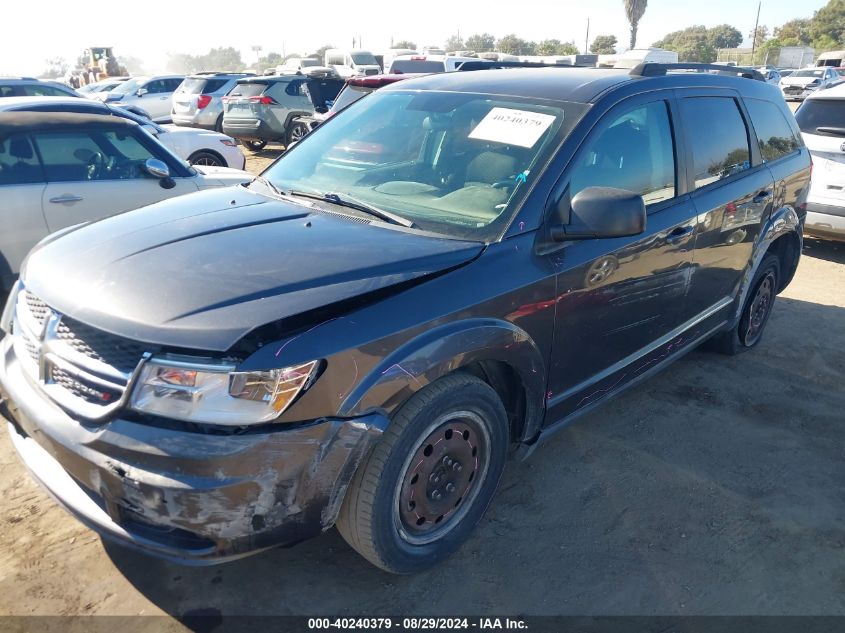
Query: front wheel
(430, 478)
(208, 159)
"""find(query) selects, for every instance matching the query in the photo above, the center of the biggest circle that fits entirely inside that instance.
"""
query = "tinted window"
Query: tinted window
(774, 134)
(634, 152)
(718, 138)
(296, 88)
(170, 85)
(817, 114)
(155, 87)
(417, 66)
(39, 90)
(247, 90)
(198, 85)
(82, 155)
(18, 161)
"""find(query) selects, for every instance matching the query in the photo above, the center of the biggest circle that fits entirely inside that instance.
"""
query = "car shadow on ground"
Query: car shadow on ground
(827, 250)
(713, 488)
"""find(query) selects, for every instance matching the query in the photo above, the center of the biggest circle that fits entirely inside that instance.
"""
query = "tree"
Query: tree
(481, 42)
(794, 33)
(759, 37)
(320, 53)
(133, 65)
(222, 59)
(454, 43)
(604, 45)
(693, 44)
(514, 45)
(724, 36)
(634, 10)
(56, 67)
(405, 44)
(270, 60)
(828, 25)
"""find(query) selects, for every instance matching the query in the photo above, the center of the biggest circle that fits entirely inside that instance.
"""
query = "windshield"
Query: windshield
(808, 73)
(821, 113)
(364, 59)
(130, 86)
(307, 63)
(457, 164)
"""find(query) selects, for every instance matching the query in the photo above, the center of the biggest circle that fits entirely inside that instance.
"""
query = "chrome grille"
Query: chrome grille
(84, 370)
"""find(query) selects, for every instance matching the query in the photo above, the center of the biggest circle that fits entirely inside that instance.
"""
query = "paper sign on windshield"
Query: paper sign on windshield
(512, 127)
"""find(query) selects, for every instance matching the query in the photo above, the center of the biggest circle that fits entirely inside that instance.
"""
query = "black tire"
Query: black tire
(218, 127)
(296, 131)
(208, 159)
(255, 146)
(755, 312)
(372, 518)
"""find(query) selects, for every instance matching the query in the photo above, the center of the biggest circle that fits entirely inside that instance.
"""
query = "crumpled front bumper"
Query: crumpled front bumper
(192, 497)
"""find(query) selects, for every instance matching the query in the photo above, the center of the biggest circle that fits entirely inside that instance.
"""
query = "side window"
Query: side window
(774, 134)
(35, 90)
(296, 88)
(18, 161)
(155, 87)
(718, 138)
(7, 91)
(82, 155)
(170, 85)
(635, 152)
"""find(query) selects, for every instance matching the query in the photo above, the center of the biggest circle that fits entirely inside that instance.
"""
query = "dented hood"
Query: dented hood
(201, 271)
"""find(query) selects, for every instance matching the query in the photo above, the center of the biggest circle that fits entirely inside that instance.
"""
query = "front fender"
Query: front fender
(442, 350)
(781, 222)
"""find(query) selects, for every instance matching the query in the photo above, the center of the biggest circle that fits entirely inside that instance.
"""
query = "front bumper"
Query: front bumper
(825, 220)
(191, 497)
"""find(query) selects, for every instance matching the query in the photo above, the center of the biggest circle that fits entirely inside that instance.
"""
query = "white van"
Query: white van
(637, 56)
(831, 58)
(352, 63)
(426, 64)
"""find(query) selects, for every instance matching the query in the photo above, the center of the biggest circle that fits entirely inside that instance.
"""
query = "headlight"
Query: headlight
(216, 393)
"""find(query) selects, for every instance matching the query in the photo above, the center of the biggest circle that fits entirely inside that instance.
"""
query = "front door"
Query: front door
(96, 173)
(620, 299)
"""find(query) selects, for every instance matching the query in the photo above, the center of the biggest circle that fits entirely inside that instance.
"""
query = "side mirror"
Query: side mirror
(159, 169)
(141, 92)
(603, 212)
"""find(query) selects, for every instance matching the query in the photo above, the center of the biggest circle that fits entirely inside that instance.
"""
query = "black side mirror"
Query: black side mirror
(603, 212)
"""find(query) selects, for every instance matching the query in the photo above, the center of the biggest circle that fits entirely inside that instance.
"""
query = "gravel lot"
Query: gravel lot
(713, 488)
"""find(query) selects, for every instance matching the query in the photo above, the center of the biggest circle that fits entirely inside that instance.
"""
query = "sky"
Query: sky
(156, 28)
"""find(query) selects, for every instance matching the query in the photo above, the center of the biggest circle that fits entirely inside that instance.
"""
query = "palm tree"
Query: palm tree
(634, 9)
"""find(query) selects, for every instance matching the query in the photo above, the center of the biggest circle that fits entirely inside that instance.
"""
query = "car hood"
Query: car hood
(201, 271)
(799, 81)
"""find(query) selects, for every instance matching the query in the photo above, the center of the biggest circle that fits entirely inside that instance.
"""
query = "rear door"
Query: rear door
(96, 173)
(243, 100)
(22, 184)
(732, 191)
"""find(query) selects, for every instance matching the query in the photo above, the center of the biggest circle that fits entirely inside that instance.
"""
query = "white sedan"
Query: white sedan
(198, 147)
(61, 169)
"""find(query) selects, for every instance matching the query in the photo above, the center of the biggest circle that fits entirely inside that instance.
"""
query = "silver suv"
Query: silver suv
(269, 109)
(198, 100)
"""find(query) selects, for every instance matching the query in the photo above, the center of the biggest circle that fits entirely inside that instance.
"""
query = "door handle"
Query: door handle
(761, 197)
(679, 233)
(67, 197)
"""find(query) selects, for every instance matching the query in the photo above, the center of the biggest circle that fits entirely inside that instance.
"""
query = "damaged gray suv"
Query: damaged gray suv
(436, 279)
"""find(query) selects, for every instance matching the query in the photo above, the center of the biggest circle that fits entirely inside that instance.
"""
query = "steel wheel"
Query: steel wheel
(442, 478)
(758, 311)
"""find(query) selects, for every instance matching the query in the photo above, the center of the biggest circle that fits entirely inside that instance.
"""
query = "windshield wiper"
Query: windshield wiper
(358, 205)
(836, 131)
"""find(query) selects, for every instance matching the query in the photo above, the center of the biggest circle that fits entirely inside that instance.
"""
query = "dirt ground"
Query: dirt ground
(713, 488)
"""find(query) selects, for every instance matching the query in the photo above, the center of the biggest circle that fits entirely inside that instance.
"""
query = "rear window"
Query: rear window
(822, 116)
(417, 66)
(251, 89)
(774, 134)
(198, 85)
(348, 96)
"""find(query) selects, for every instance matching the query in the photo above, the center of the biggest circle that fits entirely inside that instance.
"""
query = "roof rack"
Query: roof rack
(490, 64)
(655, 69)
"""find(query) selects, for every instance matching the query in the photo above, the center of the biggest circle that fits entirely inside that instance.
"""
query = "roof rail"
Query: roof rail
(655, 69)
(488, 64)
